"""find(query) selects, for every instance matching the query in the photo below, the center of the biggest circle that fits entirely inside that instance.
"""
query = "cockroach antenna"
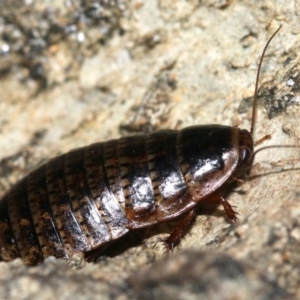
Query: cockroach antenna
(254, 110)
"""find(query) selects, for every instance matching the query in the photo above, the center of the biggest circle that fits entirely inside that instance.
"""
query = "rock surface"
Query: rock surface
(80, 72)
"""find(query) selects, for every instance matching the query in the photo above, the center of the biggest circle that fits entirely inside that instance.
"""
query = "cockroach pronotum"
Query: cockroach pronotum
(81, 200)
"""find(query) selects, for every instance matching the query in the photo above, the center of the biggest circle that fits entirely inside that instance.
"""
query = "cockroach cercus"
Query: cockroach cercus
(84, 199)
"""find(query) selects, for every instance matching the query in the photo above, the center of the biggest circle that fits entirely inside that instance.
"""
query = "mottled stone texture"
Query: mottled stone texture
(76, 72)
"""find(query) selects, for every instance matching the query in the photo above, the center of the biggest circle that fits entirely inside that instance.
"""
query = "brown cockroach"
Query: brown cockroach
(81, 200)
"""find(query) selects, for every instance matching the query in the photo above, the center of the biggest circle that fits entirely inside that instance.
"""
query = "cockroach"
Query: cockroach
(88, 197)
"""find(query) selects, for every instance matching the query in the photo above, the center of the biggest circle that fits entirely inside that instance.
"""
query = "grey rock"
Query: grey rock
(88, 71)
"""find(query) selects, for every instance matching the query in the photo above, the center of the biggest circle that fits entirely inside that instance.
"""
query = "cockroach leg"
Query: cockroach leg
(231, 214)
(180, 230)
(263, 139)
(238, 181)
(93, 255)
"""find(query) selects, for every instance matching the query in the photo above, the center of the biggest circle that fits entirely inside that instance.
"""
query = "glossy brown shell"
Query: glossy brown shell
(83, 199)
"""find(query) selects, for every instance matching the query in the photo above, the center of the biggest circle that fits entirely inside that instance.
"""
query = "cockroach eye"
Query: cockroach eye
(245, 155)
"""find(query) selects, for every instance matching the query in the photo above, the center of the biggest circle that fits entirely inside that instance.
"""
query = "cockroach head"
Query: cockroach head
(246, 150)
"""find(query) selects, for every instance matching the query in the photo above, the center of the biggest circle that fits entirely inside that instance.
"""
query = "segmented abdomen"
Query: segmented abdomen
(89, 196)
(93, 195)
